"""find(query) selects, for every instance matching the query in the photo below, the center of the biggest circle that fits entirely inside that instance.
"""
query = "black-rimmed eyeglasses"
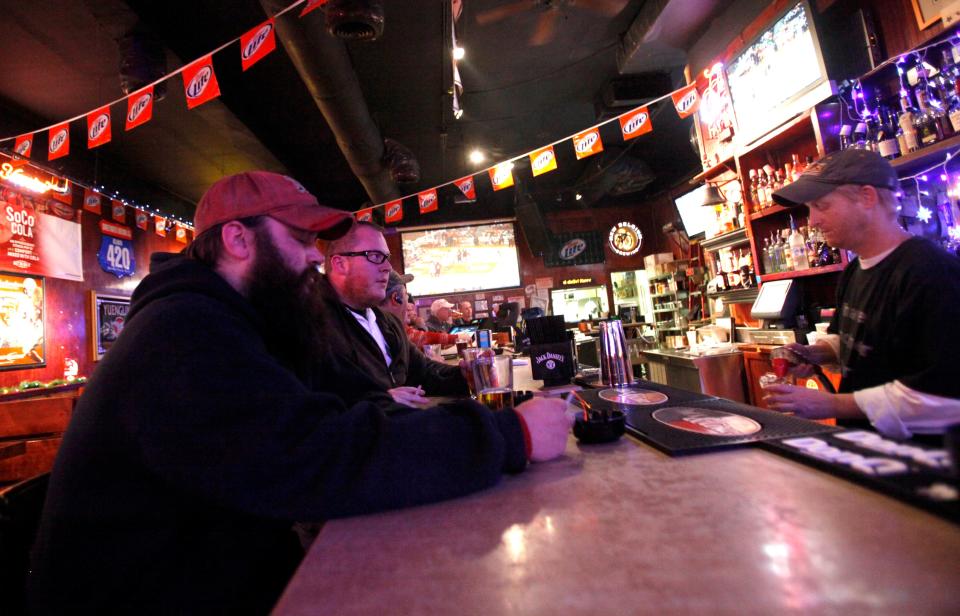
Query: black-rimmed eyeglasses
(373, 256)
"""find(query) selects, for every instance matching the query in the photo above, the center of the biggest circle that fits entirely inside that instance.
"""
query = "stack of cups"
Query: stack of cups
(615, 367)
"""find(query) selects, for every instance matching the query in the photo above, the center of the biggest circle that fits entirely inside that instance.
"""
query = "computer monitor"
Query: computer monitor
(777, 301)
(459, 329)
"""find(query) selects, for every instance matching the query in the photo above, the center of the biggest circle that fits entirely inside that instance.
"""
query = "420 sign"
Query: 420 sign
(116, 250)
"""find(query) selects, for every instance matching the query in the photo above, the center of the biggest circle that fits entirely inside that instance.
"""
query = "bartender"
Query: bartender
(896, 330)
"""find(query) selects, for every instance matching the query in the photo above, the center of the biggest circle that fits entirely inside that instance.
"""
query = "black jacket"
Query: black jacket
(192, 451)
(354, 368)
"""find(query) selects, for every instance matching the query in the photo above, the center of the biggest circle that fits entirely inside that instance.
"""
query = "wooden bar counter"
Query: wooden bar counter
(624, 529)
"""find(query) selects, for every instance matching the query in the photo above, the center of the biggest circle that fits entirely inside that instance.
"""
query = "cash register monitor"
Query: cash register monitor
(776, 304)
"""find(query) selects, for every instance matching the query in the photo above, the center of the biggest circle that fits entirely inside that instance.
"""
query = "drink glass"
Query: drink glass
(469, 355)
(493, 378)
(783, 359)
(432, 351)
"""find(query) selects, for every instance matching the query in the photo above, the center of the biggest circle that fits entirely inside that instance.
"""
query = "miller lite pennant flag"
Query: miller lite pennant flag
(257, 43)
(687, 100)
(23, 145)
(98, 127)
(501, 176)
(428, 200)
(181, 234)
(311, 5)
(160, 225)
(139, 107)
(393, 211)
(59, 141)
(587, 143)
(91, 201)
(467, 187)
(143, 220)
(63, 195)
(365, 215)
(200, 82)
(119, 211)
(635, 123)
(543, 160)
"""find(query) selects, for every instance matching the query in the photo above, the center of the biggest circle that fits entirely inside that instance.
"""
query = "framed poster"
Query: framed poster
(21, 322)
(108, 316)
(928, 11)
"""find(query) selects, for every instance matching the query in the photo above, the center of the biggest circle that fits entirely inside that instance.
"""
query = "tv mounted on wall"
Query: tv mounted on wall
(694, 216)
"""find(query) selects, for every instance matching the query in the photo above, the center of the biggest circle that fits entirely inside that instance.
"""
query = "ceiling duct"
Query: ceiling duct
(325, 68)
(613, 173)
(355, 20)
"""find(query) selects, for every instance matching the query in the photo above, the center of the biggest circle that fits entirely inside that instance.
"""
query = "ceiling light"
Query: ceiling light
(458, 53)
(578, 196)
(477, 157)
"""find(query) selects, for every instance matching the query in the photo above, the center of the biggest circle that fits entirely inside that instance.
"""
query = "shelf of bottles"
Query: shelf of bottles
(668, 293)
(796, 250)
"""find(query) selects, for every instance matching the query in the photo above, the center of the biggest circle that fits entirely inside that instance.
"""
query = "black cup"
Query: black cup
(598, 429)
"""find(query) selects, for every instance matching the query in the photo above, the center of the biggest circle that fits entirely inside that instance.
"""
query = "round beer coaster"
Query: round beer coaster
(706, 421)
(635, 397)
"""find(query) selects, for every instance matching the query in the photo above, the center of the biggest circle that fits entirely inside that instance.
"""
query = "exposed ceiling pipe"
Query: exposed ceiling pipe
(325, 68)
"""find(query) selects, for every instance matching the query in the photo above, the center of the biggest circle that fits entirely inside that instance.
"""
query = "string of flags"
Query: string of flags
(633, 124)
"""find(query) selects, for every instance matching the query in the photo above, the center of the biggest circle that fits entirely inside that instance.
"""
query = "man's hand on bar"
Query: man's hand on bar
(548, 424)
(810, 403)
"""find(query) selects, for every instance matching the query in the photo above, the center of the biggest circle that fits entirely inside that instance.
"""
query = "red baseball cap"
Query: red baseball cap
(262, 193)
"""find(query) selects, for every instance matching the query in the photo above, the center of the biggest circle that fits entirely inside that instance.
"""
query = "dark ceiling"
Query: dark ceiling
(535, 72)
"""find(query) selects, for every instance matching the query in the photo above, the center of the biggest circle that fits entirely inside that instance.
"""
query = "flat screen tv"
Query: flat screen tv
(457, 259)
(779, 74)
(694, 216)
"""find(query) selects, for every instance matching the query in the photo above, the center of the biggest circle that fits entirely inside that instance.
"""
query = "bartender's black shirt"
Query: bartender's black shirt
(900, 320)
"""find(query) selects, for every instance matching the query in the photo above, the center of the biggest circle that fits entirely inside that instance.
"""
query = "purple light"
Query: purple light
(923, 178)
(943, 177)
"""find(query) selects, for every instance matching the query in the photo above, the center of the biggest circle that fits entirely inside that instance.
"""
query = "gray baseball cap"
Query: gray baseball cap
(858, 167)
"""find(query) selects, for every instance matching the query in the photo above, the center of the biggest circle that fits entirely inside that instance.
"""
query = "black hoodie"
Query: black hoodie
(192, 451)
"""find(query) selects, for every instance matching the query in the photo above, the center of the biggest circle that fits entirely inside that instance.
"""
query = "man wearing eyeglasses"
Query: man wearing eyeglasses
(370, 353)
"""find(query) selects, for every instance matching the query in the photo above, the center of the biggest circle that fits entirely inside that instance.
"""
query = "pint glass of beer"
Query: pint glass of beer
(493, 377)
(469, 355)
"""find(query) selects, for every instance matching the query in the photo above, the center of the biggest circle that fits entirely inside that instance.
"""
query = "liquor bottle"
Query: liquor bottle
(772, 185)
(935, 99)
(788, 174)
(859, 136)
(910, 142)
(776, 260)
(797, 169)
(765, 259)
(846, 131)
(925, 122)
(741, 214)
(798, 248)
(785, 251)
(763, 193)
(810, 244)
(754, 198)
(746, 268)
(887, 142)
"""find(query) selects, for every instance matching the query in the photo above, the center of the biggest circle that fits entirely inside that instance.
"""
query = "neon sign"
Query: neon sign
(18, 178)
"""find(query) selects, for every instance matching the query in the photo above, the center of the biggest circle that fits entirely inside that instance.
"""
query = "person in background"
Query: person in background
(413, 319)
(369, 352)
(895, 332)
(196, 443)
(441, 316)
(397, 303)
(466, 313)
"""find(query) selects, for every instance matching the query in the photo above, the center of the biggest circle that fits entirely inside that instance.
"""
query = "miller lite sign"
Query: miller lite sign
(23, 145)
(467, 187)
(59, 144)
(572, 249)
(686, 100)
(98, 127)
(91, 201)
(142, 219)
(543, 160)
(365, 215)
(587, 143)
(635, 123)
(139, 107)
(200, 82)
(257, 43)
(501, 176)
(428, 200)
(393, 211)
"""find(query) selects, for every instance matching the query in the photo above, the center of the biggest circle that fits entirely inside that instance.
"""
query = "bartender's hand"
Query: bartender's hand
(548, 424)
(818, 354)
(409, 396)
(810, 403)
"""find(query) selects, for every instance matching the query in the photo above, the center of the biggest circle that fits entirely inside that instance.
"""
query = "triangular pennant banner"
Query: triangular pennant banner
(257, 43)
(139, 107)
(160, 225)
(59, 141)
(98, 127)
(200, 82)
(635, 123)
(119, 211)
(365, 215)
(143, 220)
(428, 200)
(501, 176)
(312, 5)
(587, 143)
(24, 145)
(687, 100)
(467, 187)
(543, 161)
(393, 211)
(91, 201)
(181, 234)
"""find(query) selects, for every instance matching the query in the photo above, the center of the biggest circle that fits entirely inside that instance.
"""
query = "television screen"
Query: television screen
(783, 64)
(458, 259)
(694, 216)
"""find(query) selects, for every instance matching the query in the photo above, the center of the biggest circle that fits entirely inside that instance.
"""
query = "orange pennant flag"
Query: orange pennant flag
(200, 82)
(467, 187)
(98, 127)
(587, 143)
(501, 176)
(635, 123)
(143, 220)
(428, 201)
(91, 201)
(393, 211)
(23, 145)
(543, 161)
(257, 43)
(160, 225)
(686, 100)
(139, 107)
(365, 215)
(59, 141)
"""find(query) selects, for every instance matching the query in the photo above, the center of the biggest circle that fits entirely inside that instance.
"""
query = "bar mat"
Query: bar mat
(917, 474)
(676, 396)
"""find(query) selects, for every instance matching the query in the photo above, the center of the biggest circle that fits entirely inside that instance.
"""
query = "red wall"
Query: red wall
(66, 312)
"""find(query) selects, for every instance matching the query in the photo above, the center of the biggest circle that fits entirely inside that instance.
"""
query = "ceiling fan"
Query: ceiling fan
(550, 13)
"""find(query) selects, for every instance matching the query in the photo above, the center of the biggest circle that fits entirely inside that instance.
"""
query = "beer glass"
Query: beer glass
(470, 355)
(493, 378)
